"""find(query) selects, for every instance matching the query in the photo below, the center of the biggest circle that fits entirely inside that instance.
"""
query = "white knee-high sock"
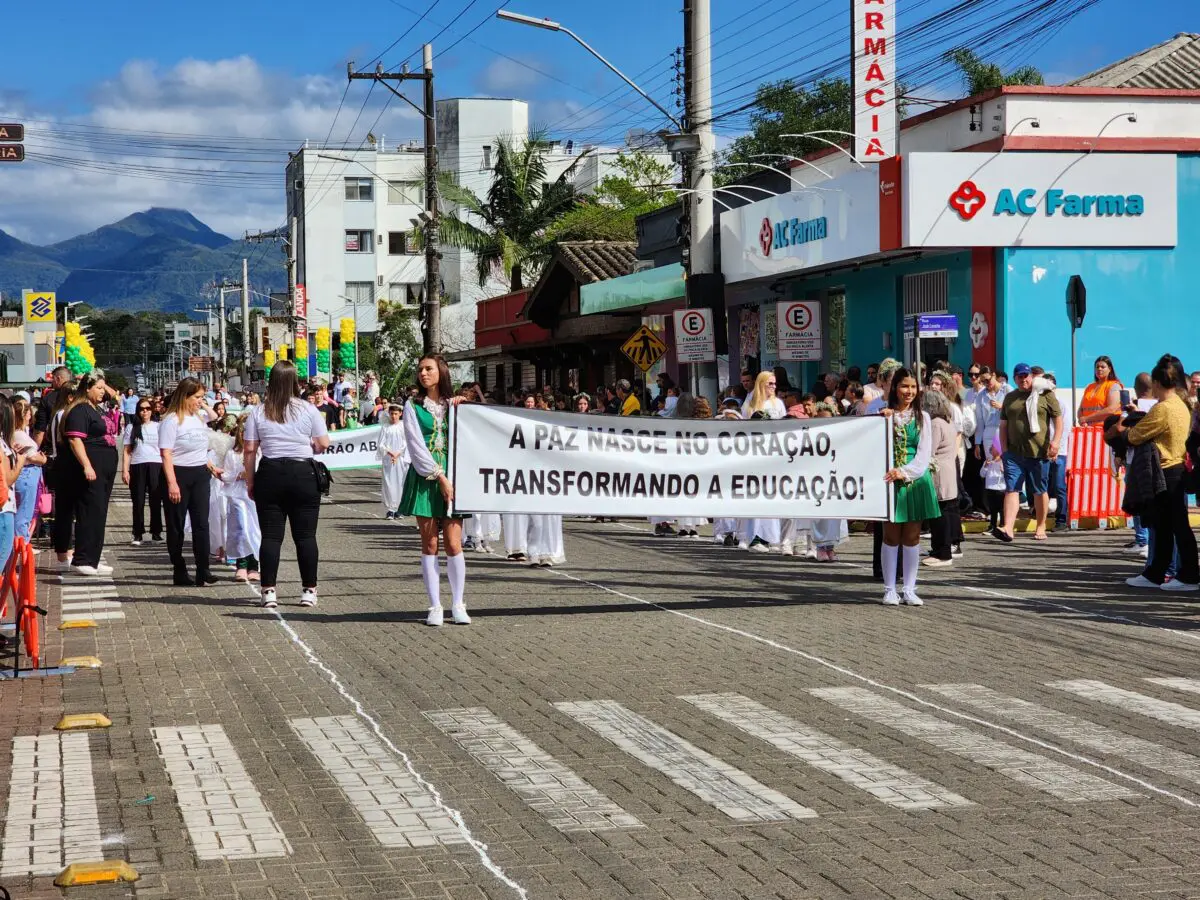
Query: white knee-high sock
(912, 562)
(456, 571)
(888, 556)
(433, 586)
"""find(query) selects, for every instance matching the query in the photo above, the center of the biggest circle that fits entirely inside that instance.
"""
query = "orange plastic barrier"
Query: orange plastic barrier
(1092, 490)
(28, 621)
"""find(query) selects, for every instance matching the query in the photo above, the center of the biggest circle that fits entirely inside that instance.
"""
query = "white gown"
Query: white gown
(219, 444)
(546, 539)
(482, 527)
(516, 533)
(392, 474)
(242, 535)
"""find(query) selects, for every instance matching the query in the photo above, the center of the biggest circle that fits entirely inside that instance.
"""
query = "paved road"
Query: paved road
(659, 718)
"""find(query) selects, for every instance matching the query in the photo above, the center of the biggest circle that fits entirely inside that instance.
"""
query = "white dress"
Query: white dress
(219, 444)
(242, 535)
(516, 533)
(546, 539)
(392, 474)
(769, 530)
(482, 527)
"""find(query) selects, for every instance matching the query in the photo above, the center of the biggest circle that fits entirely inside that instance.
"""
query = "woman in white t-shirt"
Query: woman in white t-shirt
(141, 469)
(183, 444)
(284, 488)
(29, 482)
(763, 399)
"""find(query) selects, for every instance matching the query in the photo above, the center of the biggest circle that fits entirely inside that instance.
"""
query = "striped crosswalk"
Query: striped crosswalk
(90, 597)
(51, 817)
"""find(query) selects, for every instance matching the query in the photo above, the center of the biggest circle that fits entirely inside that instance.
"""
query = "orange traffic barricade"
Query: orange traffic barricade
(1093, 490)
(28, 622)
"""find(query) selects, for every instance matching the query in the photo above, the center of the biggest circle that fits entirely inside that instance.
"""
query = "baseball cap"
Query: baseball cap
(1021, 369)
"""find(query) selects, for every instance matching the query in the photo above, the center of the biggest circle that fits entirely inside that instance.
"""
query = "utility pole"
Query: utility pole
(432, 325)
(703, 286)
(244, 368)
(288, 234)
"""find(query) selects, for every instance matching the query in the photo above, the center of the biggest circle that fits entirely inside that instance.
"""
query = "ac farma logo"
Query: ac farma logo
(967, 200)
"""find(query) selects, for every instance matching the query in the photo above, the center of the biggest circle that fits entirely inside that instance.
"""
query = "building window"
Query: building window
(406, 193)
(360, 242)
(926, 292)
(359, 189)
(487, 158)
(359, 294)
(398, 243)
(403, 294)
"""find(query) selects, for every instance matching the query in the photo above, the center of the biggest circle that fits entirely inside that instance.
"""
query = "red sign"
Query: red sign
(300, 312)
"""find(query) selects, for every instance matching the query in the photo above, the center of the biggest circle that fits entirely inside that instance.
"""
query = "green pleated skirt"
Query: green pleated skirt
(916, 501)
(423, 497)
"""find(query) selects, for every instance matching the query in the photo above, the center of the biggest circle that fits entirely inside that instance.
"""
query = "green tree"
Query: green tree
(979, 76)
(392, 352)
(785, 108)
(521, 205)
(640, 185)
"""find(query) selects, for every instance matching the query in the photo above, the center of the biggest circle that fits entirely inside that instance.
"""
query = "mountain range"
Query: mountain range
(159, 259)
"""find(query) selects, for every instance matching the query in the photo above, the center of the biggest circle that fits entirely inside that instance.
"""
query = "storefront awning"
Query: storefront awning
(630, 292)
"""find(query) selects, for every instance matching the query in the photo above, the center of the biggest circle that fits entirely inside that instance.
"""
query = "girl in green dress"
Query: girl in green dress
(428, 493)
(916, 497)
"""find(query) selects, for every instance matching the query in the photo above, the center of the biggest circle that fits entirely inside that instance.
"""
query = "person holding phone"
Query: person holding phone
(1104, 397)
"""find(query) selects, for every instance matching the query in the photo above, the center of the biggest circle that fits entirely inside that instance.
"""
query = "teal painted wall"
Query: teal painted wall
(873, 306)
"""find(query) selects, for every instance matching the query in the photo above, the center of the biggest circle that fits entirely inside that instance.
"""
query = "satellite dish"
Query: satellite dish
(641, 139)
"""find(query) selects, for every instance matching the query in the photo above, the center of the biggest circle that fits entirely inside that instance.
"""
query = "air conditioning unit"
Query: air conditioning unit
(379, 280)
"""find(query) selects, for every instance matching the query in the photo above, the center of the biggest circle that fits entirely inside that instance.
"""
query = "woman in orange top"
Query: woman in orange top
(1101, 398)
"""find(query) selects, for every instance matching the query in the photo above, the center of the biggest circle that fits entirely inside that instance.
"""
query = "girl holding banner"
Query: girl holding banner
(916, 498)
(428, 493)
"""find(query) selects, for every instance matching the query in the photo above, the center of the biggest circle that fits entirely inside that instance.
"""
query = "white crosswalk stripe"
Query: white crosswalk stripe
(221, 807)
(714, 781)
(51, 819)
(1189, 685)
(1163, 710)
(567, 801)
(885, 782)
(1027, 768)
(1087, 734)
(397, 809)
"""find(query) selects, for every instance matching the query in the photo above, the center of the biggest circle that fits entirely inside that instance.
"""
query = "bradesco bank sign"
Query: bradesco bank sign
(833, 220)
(1039, 200)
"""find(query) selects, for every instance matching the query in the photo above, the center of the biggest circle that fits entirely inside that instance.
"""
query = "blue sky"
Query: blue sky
(271, 72)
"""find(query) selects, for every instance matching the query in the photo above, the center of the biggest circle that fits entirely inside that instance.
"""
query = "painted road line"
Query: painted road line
(399, 812)
(90, 605)
(567, 801)
(51, 819)
(96, 593)
(714, 781)
(221, 808)
(887, 783)
(1163, 710)
(94, 616)
(1020, 765)
(1190, 685)
(1081, 731)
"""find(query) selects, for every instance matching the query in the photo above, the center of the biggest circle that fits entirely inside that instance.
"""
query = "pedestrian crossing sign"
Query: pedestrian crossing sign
(39, 306)
(645, 348)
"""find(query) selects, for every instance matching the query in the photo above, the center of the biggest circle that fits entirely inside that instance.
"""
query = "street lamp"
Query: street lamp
(550, 25)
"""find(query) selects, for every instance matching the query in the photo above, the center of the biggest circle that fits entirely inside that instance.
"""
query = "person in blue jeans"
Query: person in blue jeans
(29, 483)
(11, 464)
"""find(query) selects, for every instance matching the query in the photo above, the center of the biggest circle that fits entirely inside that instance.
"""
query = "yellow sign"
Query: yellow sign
(39, 306)
(645, 348)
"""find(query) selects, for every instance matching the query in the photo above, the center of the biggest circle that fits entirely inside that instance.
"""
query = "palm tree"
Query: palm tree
(511, 234)
(979, 76)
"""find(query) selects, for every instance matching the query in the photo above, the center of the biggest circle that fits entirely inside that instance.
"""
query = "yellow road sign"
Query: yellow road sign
(645, 348)
(39, 306)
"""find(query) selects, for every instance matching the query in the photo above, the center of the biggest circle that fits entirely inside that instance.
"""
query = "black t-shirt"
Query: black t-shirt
(333, 414)
(45, 411)
(85, 422)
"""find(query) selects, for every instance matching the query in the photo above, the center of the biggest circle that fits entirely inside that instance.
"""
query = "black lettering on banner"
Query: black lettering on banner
(801, 488)
(683, 443)
(639, 485)
(658, 485)
(502, 476)
(714, 488)
(540, 432)
(620, 483)
(602, 484)
(835, 490)
(554, 483)
(700, 443)
(486, 473)
(735, 487)
(537, 482)
(520, 486)
(691, 486)
(818, 489)
(789, 445)
(724, 447)
(850, 488)
(518, 438)
(585, 484)
(823, 444)
(758, 443)
(806, 444)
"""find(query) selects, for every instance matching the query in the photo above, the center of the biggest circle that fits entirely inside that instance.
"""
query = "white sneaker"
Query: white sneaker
(891, 598)
(1176, 585)
(135, 543)
(788, 550)
(435, 616)
(759, 548)
(1135, 550)
(935, 563)
(309, 597)
(104, 569)
(460, 615)
(1141, 581)
(85, 570)
(268, 598)
(911, 599)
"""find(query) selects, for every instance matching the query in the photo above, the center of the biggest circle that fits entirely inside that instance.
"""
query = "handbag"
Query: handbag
(45, 501)
(324, 478)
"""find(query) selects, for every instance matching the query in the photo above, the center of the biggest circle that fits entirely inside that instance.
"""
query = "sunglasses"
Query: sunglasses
(144, 409)
(973, 374)
(770, 384)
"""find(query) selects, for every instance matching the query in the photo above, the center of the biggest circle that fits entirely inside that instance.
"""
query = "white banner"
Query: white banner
(506, 459)
(353, 448)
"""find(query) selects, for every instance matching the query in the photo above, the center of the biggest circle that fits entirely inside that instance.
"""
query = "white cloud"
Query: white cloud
(507, 76)
(77, 180)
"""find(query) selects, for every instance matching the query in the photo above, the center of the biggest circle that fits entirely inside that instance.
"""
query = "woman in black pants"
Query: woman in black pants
(142, 471)
(89, 464)
(183, 443)
(284, 488)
